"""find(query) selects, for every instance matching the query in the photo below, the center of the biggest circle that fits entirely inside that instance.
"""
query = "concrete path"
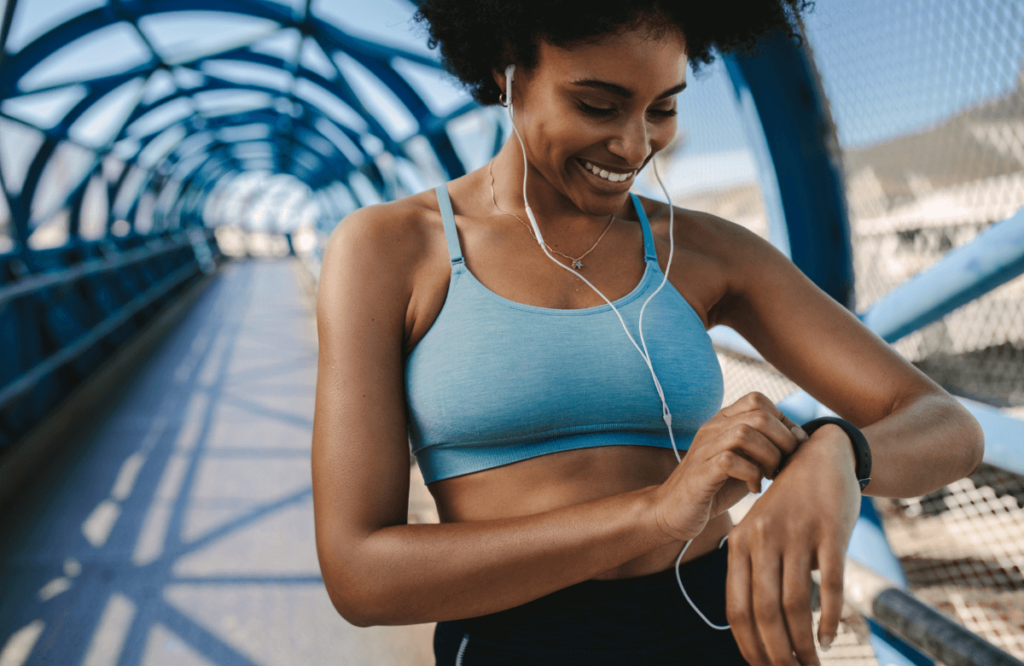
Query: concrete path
(180, 531)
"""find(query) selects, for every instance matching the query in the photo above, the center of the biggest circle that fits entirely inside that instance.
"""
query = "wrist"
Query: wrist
(650, 504)
(858, 443)
(841, 443)
(830, 444)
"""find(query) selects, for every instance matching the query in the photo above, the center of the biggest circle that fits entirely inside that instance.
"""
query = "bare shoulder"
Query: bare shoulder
(721, 256)
(392, 236)
(702, 232)
(389, 260)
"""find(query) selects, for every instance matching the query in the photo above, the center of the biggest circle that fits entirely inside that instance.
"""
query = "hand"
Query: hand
(803, 522)
(730, 455)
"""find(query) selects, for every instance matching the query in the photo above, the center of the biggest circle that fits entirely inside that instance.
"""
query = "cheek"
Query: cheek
(663, 133)
(556, 137)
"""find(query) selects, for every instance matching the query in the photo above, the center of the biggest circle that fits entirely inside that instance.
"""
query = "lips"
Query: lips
(606, 174)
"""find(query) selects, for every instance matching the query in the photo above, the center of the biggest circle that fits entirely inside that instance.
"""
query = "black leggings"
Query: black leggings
(641, 621)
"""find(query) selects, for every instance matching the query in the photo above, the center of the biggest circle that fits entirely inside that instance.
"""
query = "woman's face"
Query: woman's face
(593, 115)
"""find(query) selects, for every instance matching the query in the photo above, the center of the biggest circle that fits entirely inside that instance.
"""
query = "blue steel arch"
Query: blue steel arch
(293, 144)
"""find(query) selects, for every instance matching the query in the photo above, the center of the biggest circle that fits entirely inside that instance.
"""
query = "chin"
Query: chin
(600, 205)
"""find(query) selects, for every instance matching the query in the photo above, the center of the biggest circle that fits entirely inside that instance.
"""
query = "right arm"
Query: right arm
(380, 570)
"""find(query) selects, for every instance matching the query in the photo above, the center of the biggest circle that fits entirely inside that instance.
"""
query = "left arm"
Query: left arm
(921, 439)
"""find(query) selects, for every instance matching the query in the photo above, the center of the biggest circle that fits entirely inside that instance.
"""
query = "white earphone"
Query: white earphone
(665, 413)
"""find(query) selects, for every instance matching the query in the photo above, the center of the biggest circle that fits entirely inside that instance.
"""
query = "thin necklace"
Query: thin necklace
(577, 262)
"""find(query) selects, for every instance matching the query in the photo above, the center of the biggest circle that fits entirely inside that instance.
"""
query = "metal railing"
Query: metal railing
(166, 262)
(926, 628)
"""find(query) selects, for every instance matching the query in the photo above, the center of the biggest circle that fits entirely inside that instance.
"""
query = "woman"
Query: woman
(539, 428)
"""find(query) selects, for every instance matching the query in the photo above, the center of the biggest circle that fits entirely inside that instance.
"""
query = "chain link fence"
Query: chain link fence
(928, 102)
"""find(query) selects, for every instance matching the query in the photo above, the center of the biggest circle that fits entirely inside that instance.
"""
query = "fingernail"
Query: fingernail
(825, 642)
(799, 433)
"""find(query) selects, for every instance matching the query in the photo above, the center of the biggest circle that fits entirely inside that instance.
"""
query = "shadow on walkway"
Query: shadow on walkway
(180, 530)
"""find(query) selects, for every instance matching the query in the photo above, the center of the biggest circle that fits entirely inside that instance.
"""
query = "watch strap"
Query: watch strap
(861, 450)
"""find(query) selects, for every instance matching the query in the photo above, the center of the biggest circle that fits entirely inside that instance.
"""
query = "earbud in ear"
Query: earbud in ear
(510, 72)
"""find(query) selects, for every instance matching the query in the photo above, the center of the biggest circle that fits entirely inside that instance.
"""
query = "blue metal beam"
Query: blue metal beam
(215, 83)
(995, 257)
(5, 29)
(783, 84)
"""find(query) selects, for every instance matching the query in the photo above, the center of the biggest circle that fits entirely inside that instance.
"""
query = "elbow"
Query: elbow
(345, 580)
(357, 609)
(360, 620)
(360, 602)
(976, 448)
(970, 439)
(351, 609)
(356, 585)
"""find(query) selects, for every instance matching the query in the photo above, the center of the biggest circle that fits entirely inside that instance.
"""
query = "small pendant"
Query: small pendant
(577, 264)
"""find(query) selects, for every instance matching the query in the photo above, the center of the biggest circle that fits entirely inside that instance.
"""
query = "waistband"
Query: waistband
(625, 611)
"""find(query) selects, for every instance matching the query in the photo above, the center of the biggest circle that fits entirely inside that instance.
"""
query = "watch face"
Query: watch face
(864, 483)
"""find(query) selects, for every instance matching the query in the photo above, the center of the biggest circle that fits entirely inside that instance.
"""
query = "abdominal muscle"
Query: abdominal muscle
(566, 478)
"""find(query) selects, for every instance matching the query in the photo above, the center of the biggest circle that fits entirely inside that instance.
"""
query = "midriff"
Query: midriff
(562, 479)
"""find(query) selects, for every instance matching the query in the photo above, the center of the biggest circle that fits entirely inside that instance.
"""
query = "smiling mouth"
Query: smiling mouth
(610, 176)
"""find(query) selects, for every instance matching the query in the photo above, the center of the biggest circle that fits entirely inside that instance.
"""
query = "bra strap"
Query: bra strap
(650, 254)
(451, 233)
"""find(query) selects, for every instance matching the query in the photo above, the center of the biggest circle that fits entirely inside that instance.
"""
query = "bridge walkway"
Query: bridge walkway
(179, 530)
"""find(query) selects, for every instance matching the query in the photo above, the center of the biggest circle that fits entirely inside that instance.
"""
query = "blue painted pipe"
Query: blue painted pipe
(993, 258)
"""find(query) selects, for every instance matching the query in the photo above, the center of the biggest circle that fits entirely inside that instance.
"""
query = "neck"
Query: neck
(554, 212)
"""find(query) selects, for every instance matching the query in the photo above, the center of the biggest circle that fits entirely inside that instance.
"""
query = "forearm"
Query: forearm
(406, 574)
(921, 446)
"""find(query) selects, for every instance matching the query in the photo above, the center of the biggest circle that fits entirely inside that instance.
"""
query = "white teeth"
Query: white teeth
(611, 177)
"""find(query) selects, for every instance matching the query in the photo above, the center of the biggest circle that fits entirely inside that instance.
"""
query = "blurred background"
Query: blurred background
(171, 170)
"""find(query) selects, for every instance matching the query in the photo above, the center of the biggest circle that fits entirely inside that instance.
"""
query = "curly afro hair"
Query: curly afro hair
(477, 37)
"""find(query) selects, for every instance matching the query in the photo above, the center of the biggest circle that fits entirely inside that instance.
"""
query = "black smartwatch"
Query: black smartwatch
(861, 449)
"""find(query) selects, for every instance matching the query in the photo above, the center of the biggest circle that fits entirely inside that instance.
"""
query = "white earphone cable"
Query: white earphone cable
(666, 414)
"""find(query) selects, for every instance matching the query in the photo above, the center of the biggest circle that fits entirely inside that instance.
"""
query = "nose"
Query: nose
(632, 143)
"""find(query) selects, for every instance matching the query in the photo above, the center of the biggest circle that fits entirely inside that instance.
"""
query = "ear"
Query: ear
(499, 78)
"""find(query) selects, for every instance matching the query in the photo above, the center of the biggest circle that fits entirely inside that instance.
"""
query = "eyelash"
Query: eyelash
(596, 111)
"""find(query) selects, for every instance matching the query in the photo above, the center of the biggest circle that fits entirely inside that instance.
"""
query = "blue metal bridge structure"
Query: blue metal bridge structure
(156, 386)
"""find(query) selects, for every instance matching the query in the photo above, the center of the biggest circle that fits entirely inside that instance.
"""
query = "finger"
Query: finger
(789, 423)
(766, 572)
(831, 562)
(732, 465)
(753, 445)
(738, 609)
(769, 426)
(796, 602)
(758, 401)
(750, 402)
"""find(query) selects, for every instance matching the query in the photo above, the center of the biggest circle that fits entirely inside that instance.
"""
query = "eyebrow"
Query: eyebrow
(625, 93)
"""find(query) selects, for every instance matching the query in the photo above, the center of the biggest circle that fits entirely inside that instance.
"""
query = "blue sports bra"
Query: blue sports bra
(495, 382)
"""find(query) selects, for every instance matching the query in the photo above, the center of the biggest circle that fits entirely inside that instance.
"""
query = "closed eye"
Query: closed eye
(594, 110)
(598, 111)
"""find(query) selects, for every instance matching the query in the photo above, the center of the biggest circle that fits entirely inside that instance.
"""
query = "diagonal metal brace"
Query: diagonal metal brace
(996, 256)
